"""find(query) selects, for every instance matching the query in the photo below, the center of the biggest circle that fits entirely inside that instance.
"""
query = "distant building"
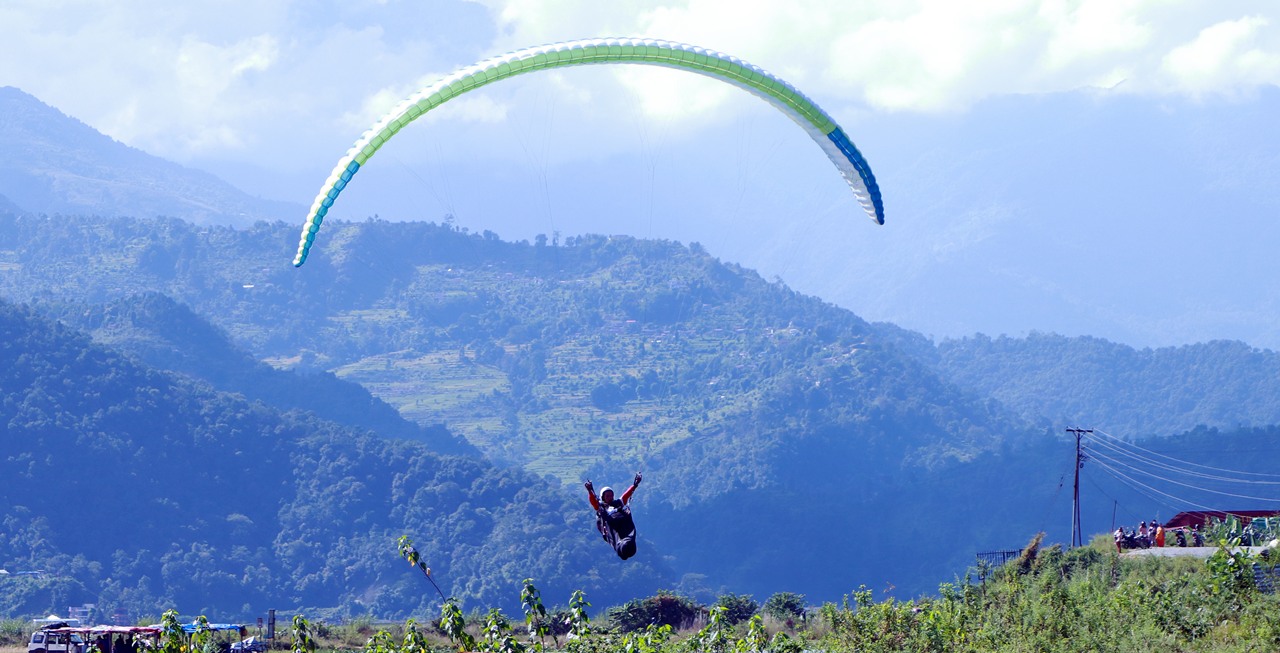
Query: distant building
(1201, 517)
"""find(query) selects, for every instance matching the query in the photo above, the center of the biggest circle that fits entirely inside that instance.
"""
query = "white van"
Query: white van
(52, 641)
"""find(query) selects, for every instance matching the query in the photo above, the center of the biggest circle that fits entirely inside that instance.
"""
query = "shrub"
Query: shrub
(663, 609)
(737, 607)
(785, 606)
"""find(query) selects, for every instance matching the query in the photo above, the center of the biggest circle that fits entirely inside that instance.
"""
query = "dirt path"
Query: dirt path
(1180, 551)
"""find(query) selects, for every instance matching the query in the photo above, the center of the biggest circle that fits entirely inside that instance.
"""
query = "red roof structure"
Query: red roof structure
(1201, 517)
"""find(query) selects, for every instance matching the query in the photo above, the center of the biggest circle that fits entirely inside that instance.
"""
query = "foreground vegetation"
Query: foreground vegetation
(1086, 599)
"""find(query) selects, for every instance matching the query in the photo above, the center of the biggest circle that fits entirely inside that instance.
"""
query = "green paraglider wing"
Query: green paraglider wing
(847, 159)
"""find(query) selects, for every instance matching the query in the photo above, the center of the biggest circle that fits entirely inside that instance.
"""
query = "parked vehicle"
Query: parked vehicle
(50, 640)
(251, 645)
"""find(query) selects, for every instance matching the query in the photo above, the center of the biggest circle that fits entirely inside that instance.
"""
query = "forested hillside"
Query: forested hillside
(140, 490)
(789, 445)
(167, 335)
(588, 358)
(1135, 392)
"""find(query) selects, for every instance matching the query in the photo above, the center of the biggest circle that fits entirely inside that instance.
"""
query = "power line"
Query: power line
(1101, 490)
(1139, 470)
(1128, 462)
(1144, 490)
(1185, 462)
(1177, 470)
(1135, 483)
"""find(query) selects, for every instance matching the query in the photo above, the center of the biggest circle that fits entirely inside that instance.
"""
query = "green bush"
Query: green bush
(737, 607)
(13, 632)
(664, 609)
(785, 606)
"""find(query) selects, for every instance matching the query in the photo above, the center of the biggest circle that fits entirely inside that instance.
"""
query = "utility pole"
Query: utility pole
(1076, 539)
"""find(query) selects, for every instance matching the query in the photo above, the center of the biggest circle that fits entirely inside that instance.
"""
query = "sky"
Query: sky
(1097, 167)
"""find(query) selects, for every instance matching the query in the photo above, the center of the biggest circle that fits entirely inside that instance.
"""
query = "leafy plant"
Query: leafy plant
(579, 620)
(302, 641)
(536, 620)
(172, 638)
(413, 641)
(737, 607)
(715, 637)
(409, 553)
(786, 607)
(454, 626)
(497, 634)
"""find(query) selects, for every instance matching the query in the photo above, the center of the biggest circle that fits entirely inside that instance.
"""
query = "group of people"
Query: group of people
(1145, 537)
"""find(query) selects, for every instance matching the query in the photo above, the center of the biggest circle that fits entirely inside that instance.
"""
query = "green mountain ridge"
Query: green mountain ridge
(142, 491)
(167, 335)
(1132, 392)
(788, 444)
(599, 356)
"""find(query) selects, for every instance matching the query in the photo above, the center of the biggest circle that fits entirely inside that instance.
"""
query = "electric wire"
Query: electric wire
(1133, 483)
(1138, 470)
(1127, 463)
(1167, 467)
(1155, 463)
(1116, 501)
(1185, 462)
(1145, 491)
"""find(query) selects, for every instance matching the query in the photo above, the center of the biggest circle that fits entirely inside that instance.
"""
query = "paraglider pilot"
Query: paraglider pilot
(613, 517)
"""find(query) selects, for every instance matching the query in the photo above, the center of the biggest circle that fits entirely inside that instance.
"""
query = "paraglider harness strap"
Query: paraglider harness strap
(603, 525)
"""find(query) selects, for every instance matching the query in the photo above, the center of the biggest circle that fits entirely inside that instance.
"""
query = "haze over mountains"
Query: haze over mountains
(1084, 213)
(789, 445)
(56, 164)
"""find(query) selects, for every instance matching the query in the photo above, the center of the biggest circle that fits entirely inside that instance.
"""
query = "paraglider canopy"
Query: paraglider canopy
(785, 97)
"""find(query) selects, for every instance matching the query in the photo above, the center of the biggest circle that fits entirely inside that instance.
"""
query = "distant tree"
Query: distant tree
(785, 606)
(737, 607)
(663, 609)
(607, 396)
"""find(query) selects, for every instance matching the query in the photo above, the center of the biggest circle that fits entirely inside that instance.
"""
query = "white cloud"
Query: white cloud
(289, 80)
(1226, 57)
(1093, 30)
(926, 55)
(934, 58)
(475, 108)
(193, 79)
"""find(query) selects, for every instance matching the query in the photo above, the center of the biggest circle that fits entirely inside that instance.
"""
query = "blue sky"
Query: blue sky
(1095, 167)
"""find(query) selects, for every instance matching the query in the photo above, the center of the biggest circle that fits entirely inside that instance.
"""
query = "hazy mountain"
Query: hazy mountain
(56, 164)
(7, 205)
(1107, 215)
(1145, 222)
(591, 358)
